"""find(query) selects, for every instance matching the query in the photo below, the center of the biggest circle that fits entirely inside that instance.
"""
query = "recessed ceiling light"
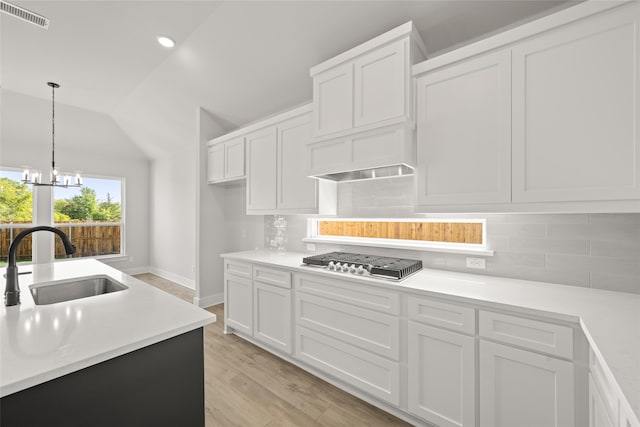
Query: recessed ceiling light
(166, 41)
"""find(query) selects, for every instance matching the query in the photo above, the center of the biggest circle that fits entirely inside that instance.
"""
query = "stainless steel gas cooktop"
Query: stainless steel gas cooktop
(365, 265)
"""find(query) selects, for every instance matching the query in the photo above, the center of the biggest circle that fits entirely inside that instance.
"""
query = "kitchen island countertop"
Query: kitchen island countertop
(610, 320)
(43, 342)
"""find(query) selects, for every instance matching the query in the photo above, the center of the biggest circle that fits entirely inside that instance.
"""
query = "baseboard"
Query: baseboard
(209, 300)
(180, 280)
(136, 270)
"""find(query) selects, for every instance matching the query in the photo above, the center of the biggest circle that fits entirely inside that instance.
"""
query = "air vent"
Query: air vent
(24, 14)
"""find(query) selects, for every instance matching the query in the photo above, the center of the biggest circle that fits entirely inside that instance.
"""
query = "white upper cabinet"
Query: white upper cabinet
(225, 160)
(363, 105)
(576, 111)
(543, 117)
(277, 169)
(464, 132)
(333, 100)
(215, 163)
(368, 86)
(261, 166)
(295, 190)
(381, 89)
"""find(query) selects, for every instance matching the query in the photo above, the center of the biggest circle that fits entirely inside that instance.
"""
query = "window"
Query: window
(91, 216)
(16, 214)
(441, 235)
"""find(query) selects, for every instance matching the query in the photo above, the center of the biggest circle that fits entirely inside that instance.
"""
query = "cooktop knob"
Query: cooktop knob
(352, 269)
(360, 270)
(331, 266)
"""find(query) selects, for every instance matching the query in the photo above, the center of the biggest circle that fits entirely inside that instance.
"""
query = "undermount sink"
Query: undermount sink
(67, 290)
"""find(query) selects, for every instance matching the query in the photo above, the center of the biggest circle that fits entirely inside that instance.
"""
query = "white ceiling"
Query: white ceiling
(239, 60)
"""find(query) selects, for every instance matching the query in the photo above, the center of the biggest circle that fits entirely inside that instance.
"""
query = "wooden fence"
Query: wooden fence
(90, 240)
(449, 232)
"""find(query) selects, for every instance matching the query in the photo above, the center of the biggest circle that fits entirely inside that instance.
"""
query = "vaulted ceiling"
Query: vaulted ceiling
(239, 60)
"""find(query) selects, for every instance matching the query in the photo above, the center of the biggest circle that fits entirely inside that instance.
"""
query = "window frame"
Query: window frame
(313, 236)
(121, 223)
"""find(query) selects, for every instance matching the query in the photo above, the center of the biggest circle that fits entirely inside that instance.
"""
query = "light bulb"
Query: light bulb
(166, 41)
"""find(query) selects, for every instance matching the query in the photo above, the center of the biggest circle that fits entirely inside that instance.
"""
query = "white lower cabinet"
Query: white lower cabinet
(238, 303)
(441, 376)
(599, 413)
(607, 407)
(351, 332)
(272, 307)
(439, 362)
(373, 374)
(525, 389)
(258, 303)
(272, 316)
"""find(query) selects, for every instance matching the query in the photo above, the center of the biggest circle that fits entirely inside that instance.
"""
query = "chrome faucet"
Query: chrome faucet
(12, 290)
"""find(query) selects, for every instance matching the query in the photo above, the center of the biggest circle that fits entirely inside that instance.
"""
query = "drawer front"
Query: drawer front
(531, 334)
(272, 276)
(441, 314)
(239, 269)
(369, 330)
(349, 293)
(368, 372)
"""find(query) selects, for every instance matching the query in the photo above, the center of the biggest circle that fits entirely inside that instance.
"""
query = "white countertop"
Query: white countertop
(610, 320)
(41, 342)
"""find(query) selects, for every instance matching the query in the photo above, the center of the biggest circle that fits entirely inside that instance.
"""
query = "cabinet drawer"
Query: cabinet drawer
(349, 292)
(369, 330)
(368, 372)
(444, 315)
(272, 276)
(531, 334)
(240, 269)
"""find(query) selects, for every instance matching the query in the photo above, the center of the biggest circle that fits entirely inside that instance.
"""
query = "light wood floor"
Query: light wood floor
(247, 386)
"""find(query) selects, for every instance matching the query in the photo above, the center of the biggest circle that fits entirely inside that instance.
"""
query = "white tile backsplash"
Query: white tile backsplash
(590, 250)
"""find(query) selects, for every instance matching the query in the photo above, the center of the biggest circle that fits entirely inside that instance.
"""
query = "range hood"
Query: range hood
(370, 173)
(379, 153)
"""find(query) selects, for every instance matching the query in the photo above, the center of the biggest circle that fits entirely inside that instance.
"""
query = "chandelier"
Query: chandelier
(34, 177)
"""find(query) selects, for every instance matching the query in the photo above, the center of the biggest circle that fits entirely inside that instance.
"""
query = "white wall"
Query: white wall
(173, 217)
(87, 141)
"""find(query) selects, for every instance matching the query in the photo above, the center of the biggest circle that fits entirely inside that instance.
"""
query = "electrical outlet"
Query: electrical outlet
(311, 247)
(479, 263)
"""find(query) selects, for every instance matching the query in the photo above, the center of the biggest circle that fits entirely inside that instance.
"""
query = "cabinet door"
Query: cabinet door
(464, 133)
(238, 306)
(272, 316)
(234, 158)
(599, 416)
(261, 170)
(333, 100)
(295, 189)
(576, 97)
(441, 376)
(525, 389)
(215, 163)
(380, 84)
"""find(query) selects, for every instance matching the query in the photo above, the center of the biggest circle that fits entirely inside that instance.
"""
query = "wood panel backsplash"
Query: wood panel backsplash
(449, 232)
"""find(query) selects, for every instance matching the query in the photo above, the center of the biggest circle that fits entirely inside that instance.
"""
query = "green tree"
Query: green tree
(16, 202)
(82, 207)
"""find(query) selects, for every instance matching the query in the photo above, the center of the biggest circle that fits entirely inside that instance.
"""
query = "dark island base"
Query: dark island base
(158, 385)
